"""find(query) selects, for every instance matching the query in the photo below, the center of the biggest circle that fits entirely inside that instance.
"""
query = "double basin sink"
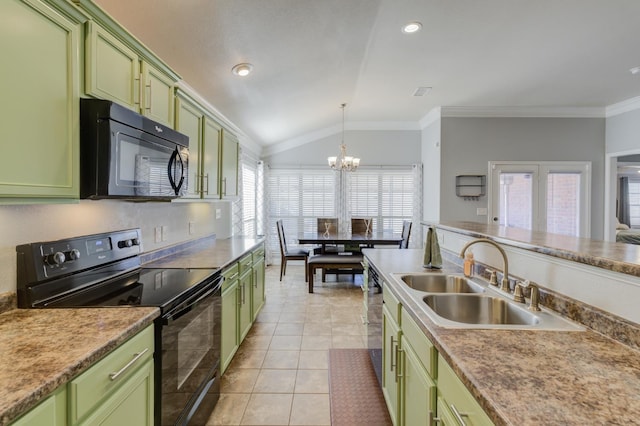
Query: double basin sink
(452, 300)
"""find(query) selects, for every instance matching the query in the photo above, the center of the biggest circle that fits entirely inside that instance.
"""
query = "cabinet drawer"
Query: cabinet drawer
(245, 263)
(98, 382)
(392, 304)
(425, 351)
(258, 254)
(455, 394)
(230, 275)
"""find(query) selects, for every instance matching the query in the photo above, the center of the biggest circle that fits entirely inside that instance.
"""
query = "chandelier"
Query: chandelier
(343, 161)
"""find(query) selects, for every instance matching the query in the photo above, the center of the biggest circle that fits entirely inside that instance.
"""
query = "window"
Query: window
(384, 195)
(246, 209)
(300, 196)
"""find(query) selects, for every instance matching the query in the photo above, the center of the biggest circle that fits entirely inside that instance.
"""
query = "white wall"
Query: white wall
(468, 144)
(623, 132)
(373, 147)
(22, 224)
(431, 171)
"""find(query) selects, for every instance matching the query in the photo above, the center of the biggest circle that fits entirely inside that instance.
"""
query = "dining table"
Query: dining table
(363, 240)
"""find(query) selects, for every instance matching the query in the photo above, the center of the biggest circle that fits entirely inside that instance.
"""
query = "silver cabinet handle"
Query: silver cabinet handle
(206, 191)
(392, 353)
(148, 106)
(137, 81)
(136, 357)
(458, 415)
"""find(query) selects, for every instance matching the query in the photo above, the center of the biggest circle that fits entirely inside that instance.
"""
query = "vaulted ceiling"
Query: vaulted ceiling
(309, 56)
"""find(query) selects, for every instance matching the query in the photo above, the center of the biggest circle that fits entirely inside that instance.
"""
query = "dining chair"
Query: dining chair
(406, 232)
(328, 226)
(286, 254)
(361, 225)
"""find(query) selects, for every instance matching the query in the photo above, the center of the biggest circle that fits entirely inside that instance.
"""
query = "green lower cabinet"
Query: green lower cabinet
(132, 404)
(244, 293)
(455, 401)
(390, 348)
(229, 339)
(50, 412)
(117, 390)
(418, 389)
(257, 292)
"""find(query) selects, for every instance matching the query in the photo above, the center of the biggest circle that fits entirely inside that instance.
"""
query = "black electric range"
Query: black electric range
(103, 270)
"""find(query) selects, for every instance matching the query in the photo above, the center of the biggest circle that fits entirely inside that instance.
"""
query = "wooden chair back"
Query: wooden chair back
(328, 225)
(281, 238)
(406, 233)
(359, 225)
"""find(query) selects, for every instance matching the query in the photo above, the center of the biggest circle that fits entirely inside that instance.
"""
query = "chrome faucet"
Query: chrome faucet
(505, 278)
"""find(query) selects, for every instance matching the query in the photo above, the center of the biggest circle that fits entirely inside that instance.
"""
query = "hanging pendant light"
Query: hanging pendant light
(343, 161)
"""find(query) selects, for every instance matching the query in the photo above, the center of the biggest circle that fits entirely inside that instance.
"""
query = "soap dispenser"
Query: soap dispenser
(468, 264)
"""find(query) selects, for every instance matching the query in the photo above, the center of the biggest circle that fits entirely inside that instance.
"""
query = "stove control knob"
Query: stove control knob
(125, 243)
(56, 258)
(74, 254)
(135, 241)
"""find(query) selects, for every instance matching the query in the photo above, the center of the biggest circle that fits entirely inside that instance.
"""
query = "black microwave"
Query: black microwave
(126, 155)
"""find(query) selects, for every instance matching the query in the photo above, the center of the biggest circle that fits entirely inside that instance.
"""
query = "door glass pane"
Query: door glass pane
(563, 203)
(516, 199)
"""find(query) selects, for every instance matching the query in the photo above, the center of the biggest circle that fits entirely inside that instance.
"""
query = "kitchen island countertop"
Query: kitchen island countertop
(42, 349)
(529, 377)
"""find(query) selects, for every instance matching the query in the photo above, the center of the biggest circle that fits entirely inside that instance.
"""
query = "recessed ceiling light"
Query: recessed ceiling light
(634, 70)
(412, 27)
(242, 70)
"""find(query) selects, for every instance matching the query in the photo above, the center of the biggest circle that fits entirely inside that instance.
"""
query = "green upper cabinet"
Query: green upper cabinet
(229, 166)
(115, 69)
(112, 70)
(211, 159)
(157, 94)
(204, 146)
(190, 121)
(39, 111)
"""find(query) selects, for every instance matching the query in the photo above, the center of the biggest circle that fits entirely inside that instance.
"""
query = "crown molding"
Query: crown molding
(528, 111)
(622, 107)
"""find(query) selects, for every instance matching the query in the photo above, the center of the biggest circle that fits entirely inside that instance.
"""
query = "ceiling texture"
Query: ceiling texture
(310, 56)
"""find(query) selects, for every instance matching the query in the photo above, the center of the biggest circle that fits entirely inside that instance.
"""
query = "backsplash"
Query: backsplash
(612, 326)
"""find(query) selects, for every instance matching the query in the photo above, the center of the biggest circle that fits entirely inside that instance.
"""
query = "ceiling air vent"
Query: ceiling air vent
(421, 91)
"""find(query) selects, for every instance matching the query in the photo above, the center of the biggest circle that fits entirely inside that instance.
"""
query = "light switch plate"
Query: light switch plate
(158, 234)
(192, 228)
(165, 233)
(481, 211)
(218, 213)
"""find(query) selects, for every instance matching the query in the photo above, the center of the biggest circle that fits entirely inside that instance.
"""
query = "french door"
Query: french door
(541, 196)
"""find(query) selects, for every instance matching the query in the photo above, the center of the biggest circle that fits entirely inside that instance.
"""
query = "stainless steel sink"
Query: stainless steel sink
(455, 301)
(441, 283)
(479, 309)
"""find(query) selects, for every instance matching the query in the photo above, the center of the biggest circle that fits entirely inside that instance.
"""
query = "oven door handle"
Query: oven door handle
(188, 305)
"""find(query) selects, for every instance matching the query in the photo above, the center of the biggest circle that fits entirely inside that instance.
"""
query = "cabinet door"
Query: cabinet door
(157, 95)
(229, 339)
(131, 404)
(50, 412)
(244, 292)
(229, 155)
(418, 390)
(112, 68)
(39, 111)
(257, 291)
(190, 121)
(390, 348)
(211, 159)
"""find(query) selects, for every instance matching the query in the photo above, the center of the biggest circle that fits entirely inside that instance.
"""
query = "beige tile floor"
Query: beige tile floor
(279, 374)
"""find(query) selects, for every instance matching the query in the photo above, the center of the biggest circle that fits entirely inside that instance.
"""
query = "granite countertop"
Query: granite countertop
(529, 377)
(205, 253)
(617, 257)
(42, 349)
